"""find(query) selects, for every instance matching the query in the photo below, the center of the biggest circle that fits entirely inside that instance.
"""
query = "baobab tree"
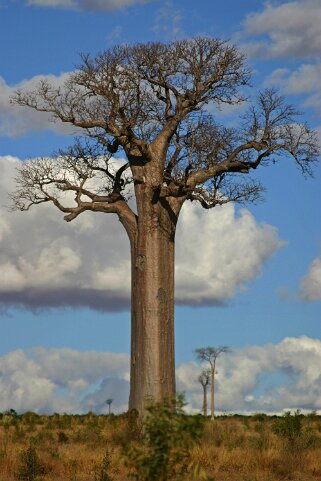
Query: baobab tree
(210, 355)
(204, 380)
(109, 403)
(154, 104)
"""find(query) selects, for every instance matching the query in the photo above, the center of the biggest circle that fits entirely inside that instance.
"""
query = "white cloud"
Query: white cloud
(304, 80)
(53, 3)
(284, 29)
(168, 22)
(47, 262)
(4, 227)
(99, 5)
(115, 34)
(269, 378)
(62, 380)
(52, 267)
(112, 388)
(16, 120)
(260, 378)
(310, 288)
(23, 386)
(224, 250)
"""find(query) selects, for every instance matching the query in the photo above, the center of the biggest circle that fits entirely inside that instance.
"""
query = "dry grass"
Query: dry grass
(232, 448)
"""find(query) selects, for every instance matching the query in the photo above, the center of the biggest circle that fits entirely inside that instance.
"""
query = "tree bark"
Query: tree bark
(205, 400)
(212, 390)
(152, 375)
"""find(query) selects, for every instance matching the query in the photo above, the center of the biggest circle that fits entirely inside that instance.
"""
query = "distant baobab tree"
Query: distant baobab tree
(109, 403)
(204, 380)
(155, 105)
(210, 355)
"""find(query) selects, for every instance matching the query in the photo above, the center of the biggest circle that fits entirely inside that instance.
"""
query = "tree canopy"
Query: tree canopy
(156, 103)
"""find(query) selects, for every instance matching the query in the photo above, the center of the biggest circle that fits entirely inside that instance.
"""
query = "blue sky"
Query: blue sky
(265, 270)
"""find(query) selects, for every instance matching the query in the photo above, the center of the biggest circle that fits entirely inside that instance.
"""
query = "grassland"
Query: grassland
(94, 447)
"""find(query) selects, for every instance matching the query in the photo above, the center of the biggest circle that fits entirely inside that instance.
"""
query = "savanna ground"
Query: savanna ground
(103, 448)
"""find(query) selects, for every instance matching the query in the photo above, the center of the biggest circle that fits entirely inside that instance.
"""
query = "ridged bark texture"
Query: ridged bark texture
(152, 340)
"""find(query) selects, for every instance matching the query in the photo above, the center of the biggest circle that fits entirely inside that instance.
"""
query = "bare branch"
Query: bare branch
(210, 354)
(79, 179)
(205, 377)
(213, 157)
(148, 101)
(221, 191)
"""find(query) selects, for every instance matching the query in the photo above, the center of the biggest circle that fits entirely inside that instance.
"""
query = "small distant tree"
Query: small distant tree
(210, 355)
(109, 403)
(204, 380)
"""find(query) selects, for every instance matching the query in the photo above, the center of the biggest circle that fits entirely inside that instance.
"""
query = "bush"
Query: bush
(125, 428)
(30, 465)
(102, 470)
(62, 437)
(289, 426)
(168, 436)
(260, 417)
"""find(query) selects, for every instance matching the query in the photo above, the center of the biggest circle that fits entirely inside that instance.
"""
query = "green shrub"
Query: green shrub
(103, 469)
(62, 437)
(30, 466)
(260, 417)
(169, 434)
(125, 428)
(289, 426)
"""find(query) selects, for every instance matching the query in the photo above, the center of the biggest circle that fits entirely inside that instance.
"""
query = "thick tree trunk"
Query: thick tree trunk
(152, 374)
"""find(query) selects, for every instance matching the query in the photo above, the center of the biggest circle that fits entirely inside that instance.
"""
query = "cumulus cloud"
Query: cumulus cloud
(168, 22)
(46, 262)
(284, 29)
(310, 287)
(261, 378)
(63, 380)
(16, 120)
(304, 80)
(223, 251)
(269, 378)
(110, 388)
(92, 5)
